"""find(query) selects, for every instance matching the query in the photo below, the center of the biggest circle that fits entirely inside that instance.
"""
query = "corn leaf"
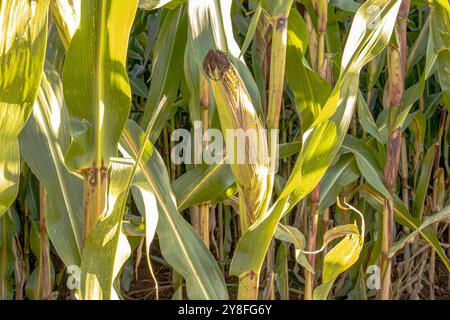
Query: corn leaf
(95, 82)
(155, 4)
(366, 119)
(315, 157)
(282, 271)
(168, 56)
(6, 256)
(367, 163)
(292, 235)
(251, 30)
(413, 93)
(368, 36)
(180, 244)
(344, 172)
(43, 142)
(423, 181)
(339, 259)
(202, 184)
(346, 5)
(23, 35)
(310, 90)
(440, 20)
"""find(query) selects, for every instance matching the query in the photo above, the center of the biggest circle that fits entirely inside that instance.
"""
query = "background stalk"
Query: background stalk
(44, 260)
(312, 39)
(312, 242)
(322, 18)
(396, 86)
(438, 199)
(322, 67)
(203, 223)
(404, 173)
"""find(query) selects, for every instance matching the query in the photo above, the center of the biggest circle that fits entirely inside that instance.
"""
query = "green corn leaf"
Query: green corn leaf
(23, 35)
(289, 149)
(413, 93)
(168, 56)
(346, 5)
(43, 142)
(292, 235)
(251, 30)
(155, 4)
(6, 256)
(440, 21)
(138, 87)
(95, 82)
(192, 75)
(419, 47)
(203, 184)
(369, 35)
(339, 259)
(310, 90)
(344, 172)
(314, 158)
(281, 269)
(146, 202)
(180, 244)
(423, 181)
(65, 18)
(367, 163)
(376, 67)
(366, 119)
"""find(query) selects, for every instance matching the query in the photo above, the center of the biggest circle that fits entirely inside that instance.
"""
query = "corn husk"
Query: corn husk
(245, 136)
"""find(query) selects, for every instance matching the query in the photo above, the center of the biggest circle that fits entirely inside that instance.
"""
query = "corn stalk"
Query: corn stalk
(396, 71)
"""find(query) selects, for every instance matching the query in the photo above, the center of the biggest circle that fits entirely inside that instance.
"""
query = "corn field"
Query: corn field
(224, 149)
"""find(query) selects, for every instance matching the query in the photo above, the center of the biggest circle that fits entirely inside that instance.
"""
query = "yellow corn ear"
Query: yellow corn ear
(245, 136)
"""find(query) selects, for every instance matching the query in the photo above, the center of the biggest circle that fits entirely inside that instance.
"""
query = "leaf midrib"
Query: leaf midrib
(99, 89)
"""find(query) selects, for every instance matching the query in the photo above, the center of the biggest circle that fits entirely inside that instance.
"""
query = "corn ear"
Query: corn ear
(245, 136)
